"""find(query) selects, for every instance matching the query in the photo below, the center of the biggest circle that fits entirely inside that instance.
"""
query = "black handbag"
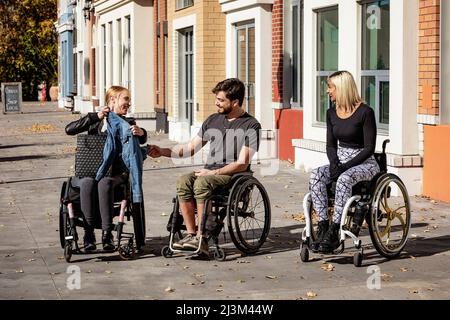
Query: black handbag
(89, 155)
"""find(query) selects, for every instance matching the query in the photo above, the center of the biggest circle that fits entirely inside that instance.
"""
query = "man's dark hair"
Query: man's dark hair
(233, 88)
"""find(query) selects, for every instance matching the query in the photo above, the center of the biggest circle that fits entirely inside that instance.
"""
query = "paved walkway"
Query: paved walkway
(36, 157)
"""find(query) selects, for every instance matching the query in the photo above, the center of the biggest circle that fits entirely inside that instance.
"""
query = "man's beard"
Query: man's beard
(224, 111)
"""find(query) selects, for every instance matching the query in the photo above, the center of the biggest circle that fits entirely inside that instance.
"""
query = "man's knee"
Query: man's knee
(202, 188)
(185, 187)
(87, 183)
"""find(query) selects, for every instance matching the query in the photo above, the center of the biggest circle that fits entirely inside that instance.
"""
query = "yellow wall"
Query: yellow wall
(209, 54)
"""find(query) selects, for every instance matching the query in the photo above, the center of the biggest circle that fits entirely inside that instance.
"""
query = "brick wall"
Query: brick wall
(159, 16)
(429, 45)
(277, 51)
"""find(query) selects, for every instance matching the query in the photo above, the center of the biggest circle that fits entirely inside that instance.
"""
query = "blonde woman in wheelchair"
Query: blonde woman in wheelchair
(351, 140)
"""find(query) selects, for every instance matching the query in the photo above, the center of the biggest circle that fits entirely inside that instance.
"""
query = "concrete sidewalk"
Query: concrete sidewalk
(36, 156)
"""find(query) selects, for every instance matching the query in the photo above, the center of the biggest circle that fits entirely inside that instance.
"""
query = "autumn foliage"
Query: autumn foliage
(28, 44)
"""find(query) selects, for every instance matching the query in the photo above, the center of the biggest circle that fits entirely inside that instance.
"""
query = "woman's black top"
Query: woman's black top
(359, 131)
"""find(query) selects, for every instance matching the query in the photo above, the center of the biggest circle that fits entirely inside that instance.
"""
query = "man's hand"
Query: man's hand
(153, 151)
(205, 172)
(136, 131)
(103, 113)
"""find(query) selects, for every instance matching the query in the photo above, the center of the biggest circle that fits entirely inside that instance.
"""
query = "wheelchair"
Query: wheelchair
(382, 202)
(123, 207)
(243, 202)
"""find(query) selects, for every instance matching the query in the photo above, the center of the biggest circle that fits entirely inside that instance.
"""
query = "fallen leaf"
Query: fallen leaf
(108, 271)
(54, 273)
(414, 291)
(19, 271)
(286, 186)
(185, 267)
(9, 255)
(268, 257)
(240, 281)
(271, 277)
(430, 289)
(169, 289)
(31, 260)
(89, 271)
(243, 261)
(163, 214)
(219, 290)
(414, 235)
(403, 269)
(327, 267)
(412, 257)
(199, 275)
(311, 294)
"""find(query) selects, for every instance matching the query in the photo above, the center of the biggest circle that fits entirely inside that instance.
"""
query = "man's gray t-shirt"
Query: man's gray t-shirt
(228, 137)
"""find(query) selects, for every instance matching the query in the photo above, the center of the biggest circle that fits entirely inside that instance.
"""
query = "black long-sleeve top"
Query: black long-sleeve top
(93, 125)
(359, 131)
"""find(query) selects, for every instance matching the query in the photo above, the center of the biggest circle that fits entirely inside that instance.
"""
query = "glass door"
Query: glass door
(245, 35)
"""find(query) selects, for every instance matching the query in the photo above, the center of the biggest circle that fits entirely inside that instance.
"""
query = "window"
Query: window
(119, 50)
(186, 76)
(111, 54)
(104, 55)
(375, 50)
(127, 58)
(181, 4)
(327, 56)
(296, 52)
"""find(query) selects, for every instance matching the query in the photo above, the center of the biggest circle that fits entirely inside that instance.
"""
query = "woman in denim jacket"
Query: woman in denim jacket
(117, 100)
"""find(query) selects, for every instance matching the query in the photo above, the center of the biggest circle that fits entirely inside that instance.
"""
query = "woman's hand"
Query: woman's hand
(136, 131)
(103, 113)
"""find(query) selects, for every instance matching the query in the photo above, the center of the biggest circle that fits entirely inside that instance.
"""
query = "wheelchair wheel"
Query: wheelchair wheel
(127, 251)
(390, 217)
(304, 253)
(166, 252)
(357, 259)
(249, 215)
(63, 217)
(220, 255)
(68, 251)
(138, 214)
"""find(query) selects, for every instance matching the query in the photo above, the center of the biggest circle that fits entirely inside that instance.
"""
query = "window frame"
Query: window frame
(182, 4)
(322, 73)
(381, 75)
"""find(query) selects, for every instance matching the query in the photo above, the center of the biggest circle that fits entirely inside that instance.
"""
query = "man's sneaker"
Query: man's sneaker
(108, 241)
(89, 241)
(191, 244)
(179, 244)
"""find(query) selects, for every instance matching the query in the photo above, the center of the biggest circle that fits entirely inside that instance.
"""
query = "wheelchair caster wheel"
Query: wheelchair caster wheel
(219, 255)
(358, 245)
(68, 252)
(127, 252)
(304, 253)
(166, 252)
(357, 259)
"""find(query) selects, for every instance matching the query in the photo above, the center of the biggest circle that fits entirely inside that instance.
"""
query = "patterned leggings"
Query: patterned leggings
(320, 177)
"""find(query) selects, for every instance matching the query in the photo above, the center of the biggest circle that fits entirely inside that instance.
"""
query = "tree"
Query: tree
(28, 44)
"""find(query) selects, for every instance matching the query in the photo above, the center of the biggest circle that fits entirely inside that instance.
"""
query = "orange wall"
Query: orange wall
(289, 122)
(436, 171)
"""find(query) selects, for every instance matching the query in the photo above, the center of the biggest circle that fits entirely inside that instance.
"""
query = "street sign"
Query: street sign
(12, 97)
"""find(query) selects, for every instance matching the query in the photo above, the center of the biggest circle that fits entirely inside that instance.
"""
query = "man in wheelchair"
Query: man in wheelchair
(234, 138)
(118, 101)
(351, 123)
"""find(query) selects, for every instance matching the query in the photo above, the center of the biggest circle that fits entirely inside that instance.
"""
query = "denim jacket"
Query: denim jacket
(121, 140)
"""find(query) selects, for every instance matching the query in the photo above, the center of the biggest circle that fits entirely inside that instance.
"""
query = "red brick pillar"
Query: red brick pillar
(277, 53)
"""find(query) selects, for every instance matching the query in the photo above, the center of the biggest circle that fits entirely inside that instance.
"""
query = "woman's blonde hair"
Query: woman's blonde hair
(114, 91)
(347, 96)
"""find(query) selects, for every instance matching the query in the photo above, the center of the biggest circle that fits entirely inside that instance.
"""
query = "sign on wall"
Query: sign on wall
(12, 97)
